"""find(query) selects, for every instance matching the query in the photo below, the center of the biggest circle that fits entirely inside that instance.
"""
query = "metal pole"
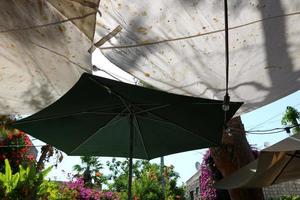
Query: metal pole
(130, 157)
(163, 183)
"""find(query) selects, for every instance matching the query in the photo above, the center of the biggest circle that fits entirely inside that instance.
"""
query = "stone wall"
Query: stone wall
(193, 187)
(281, 189)
(272, 192)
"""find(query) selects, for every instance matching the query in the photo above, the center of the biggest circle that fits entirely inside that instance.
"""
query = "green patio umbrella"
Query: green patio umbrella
(102, 117)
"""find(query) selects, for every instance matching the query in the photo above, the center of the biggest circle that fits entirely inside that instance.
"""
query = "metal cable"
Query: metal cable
(226, 102)
(226, 44)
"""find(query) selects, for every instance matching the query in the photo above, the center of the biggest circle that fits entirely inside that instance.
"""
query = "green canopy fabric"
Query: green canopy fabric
(102, 117)
(93, 119)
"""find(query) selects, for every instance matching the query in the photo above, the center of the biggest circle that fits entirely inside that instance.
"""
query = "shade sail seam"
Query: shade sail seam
(59, 54)
(48, 24)
(196, 35)
(86, 4)
(172, 123)
(141, 136)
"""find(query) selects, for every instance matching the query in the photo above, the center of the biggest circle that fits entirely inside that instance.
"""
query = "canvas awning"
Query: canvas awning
(178, 46)
(44, 49)
(275, 164)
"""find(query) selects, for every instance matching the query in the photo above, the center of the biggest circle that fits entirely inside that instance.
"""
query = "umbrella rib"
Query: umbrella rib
(150, 109)
(296, 156)
(191, 133)
(142, 139)
(123, 100)
(63, 116)
(285, 166)
(166, 105)
(107, 125)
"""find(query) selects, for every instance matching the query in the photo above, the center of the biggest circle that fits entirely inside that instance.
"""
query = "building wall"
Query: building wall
(271, 192)
(193, 187)
(281, 189)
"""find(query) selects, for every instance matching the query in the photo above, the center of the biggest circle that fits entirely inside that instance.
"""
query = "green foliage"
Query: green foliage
(291, 118)
(8, 180)
(287, 197)
(50, 190)
(147, 181)
(26, 183)
(148, 186)
(15, 146)
(90, 170)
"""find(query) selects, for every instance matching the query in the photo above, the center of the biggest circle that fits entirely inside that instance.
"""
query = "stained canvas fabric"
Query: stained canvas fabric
(178, 46)
(44, 49)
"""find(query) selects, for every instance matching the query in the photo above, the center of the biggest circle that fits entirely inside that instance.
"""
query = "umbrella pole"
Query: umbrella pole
(130, 157)
(163, 182)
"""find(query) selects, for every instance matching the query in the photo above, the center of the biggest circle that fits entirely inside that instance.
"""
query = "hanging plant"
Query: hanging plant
(210, 174)
(15, 146)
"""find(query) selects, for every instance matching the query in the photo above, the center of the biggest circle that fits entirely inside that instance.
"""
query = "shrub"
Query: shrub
(78, 190)
(15, 146)
(210, 174)
(26, 183)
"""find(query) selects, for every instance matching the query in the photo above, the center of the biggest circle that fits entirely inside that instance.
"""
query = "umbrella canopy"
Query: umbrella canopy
(275, 164)
(44, 49)
(178, 46)
(102, 117)
(93, 119)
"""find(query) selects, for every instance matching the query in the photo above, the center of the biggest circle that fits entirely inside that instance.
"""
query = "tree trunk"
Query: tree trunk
(234, 153)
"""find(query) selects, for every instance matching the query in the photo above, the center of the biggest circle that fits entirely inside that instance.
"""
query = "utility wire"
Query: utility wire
(271, 118)
(267, 131)
(20, 146)
(257, 132)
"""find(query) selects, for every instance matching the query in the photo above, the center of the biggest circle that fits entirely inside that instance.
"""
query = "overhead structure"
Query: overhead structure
(178, 46)
(43, 50)
(275, 164)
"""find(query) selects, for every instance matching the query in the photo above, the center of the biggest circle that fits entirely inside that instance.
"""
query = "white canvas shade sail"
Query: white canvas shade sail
(178, 46)
(43, 50)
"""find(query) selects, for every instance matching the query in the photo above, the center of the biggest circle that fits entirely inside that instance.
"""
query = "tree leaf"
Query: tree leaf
(8, 172)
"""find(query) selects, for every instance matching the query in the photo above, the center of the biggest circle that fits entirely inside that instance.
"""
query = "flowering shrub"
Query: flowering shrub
(209, 174)
(83, 193)
(208, 171)
(15, 146)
